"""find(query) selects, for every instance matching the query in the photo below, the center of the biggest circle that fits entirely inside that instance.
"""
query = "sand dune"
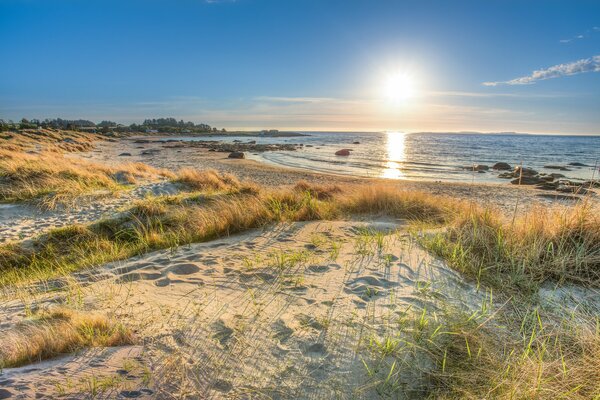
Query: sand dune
(282, 313)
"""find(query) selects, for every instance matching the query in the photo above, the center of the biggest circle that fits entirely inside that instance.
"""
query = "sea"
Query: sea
(432, 156)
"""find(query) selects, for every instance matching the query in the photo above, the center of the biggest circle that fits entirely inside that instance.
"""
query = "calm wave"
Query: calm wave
(433, 156)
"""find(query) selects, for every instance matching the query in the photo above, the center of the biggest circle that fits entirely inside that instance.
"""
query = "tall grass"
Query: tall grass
(52, 179)
(558, 244)
(495, 354)
(163, 222)
(59, 331)
(515, 254)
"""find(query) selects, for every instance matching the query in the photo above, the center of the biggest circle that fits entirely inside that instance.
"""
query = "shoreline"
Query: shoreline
(156, 154)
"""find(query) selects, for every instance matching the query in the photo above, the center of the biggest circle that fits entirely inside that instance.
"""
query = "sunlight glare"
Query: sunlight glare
(395, 155)
(399, 87)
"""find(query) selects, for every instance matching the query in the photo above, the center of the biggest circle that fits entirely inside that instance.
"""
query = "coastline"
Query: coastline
(503, 195)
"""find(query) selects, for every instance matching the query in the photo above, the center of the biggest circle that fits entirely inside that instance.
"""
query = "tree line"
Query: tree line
(163, 125)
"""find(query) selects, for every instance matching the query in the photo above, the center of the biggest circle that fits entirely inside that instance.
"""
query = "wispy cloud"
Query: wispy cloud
(587, 33)
(591, 64)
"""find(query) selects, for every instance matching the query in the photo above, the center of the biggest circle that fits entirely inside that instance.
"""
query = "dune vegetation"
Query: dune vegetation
(58, 331)
(51, 179)
(517, 254)
(518, 349)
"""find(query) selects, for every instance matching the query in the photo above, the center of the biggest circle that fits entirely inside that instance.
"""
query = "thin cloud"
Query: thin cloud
(584, 65)
(581, 36)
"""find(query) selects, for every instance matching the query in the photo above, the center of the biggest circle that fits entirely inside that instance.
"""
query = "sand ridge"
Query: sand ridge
(286, 312)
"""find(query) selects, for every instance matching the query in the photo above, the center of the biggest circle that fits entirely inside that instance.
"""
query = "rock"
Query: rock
(547, 178)
(524, 171)
(591, 184)
(142, 141)
(578, 164)
(69, 140)
(527, 180)
(477, 167)
(236, 154)
(556, 175)
(212, 149)
(342, 152)
(559, 167)
(357, 142)
(149, 152)
(546, 186)
(501, 166)
(125, 155)
(571, 189)
(506, 175)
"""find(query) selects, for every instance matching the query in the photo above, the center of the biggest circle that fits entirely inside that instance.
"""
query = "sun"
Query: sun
(399, 87)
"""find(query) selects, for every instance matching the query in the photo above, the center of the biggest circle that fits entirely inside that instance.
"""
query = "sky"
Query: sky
(489, 66)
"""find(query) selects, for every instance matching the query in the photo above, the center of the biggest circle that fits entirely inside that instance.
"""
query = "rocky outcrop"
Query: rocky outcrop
(527, 180)
(501, 166)
(343, 152)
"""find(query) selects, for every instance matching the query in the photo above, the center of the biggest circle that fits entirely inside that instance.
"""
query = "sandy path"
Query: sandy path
(283, 313)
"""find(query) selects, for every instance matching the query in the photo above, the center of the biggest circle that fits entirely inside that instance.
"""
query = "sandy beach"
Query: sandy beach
(301, 308)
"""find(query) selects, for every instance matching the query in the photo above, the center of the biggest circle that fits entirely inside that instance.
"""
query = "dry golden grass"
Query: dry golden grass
(518, 255)
(52, 179)
(49, 139)
(556, 244)
(57, 332)
(478, 356)
(206, 179)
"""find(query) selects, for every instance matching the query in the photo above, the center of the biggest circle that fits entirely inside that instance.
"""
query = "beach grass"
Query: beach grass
(170, 221)
(51, 179)
(58, 331)
(519, 253)
(514, 349)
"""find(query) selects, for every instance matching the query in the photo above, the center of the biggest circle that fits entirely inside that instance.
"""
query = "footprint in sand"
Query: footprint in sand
(282, 331)
(162, 282)
(222, 385)
(315, 350)
(223, 333)
(183, 269)
(369, 286)
(138, 276)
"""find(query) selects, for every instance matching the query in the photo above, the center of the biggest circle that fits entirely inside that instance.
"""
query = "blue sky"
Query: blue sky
(306, 65)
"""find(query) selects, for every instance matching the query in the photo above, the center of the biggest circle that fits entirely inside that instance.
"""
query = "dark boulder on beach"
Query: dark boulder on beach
(236, 154)
(524, 171)
(343, 152)
(357, 142)
(125, 155)
(477, 167)
(578, 164)
(501, 166)
(527, 180)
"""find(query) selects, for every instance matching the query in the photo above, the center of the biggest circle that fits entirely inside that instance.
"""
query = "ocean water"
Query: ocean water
(432, 156)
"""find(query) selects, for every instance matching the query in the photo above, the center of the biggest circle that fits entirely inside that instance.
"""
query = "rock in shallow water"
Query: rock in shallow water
(501, 166)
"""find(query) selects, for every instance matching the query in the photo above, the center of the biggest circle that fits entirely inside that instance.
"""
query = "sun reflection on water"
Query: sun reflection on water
(395, 155)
